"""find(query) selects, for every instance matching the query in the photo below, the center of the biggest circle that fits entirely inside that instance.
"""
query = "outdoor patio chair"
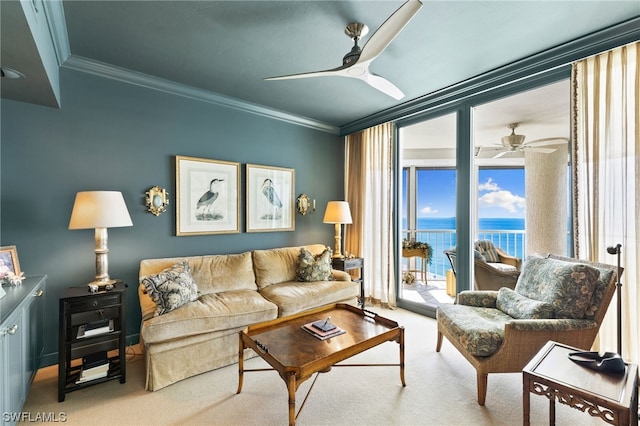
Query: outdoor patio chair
(490, 275)
(556, 298)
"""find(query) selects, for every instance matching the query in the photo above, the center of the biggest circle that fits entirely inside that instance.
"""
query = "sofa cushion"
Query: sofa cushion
(210, 313)
(502, 267)
(313, 268)
(518, 306)
(293, 296)
(567, 286)
(213, 273)
(479, 330)
(278, 265)
(171, 288)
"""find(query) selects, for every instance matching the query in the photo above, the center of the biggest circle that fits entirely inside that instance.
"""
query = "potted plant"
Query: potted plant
(413, 248)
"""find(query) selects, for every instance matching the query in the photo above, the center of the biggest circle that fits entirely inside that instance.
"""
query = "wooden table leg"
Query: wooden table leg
(240, 364)
(291, 387)
(526, 402)
(552, 411)
(402, 356)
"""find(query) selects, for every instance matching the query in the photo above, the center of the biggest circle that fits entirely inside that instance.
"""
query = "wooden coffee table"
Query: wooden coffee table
(612, 397)
(296, 355)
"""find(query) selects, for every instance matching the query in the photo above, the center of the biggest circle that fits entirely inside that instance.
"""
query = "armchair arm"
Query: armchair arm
(558, 325)
(508, 259)
(480, 299)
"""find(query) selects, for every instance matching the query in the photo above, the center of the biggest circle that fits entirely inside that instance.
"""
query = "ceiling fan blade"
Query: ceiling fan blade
(500, 154)
(381, 84)
(340, 71)
(540, 150)
(389, 30)
(547, 141)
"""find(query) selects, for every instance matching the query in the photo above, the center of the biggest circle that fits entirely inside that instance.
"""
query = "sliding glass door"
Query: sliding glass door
(492, 169)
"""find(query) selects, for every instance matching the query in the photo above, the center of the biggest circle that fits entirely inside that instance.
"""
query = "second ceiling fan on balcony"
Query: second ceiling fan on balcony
(515, 143)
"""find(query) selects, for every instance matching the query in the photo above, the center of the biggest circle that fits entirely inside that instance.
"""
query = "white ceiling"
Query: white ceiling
(540, 113)
(228, 47)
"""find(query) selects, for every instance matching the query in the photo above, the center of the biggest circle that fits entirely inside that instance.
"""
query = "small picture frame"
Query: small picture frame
(9, 260)
(270, 199)
(207, 196)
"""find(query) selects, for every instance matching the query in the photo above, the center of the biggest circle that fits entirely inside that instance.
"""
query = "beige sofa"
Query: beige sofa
(234, 291)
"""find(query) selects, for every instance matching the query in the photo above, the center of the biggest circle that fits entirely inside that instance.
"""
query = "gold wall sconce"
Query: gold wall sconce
(305, 205)
(157, 200)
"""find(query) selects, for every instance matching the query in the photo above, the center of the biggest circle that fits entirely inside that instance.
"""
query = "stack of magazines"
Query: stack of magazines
(323, 329)
(94, 366)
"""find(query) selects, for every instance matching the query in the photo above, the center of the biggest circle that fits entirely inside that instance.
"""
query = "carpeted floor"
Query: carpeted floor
(441, 390)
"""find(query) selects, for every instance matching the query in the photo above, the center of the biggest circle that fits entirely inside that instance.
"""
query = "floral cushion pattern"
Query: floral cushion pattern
(478, 298)
(488, 251)
(567, 286)
(314, 268)
(518, 306)
(171, 288)
(479, 330)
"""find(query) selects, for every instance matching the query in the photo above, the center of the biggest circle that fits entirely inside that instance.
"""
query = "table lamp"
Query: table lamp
(338, 212)
(100, 210)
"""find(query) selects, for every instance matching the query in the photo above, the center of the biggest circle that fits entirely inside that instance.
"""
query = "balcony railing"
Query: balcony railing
(512, 242)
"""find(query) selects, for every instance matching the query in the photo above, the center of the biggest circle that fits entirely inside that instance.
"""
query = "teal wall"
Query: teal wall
(110, 135)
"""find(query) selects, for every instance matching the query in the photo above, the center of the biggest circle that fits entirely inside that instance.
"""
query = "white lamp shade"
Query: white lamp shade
(337, 212)
(99, 209)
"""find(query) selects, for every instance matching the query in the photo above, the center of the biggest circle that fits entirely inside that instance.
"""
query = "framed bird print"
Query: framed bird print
(206, 196)
(270, 198)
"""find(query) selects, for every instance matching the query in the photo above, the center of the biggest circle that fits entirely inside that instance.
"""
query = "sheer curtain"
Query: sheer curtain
(369, 179)
(607, 179)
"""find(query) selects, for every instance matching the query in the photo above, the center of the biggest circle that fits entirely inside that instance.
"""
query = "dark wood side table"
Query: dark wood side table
(79, 306)
(613, 398)
(347, 264)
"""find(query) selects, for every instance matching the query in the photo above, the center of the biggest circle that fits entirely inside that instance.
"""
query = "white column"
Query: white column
(546, 195)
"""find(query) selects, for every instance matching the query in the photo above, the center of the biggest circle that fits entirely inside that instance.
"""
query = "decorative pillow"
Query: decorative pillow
(518, 306)
(567, 286)
(476, 254)
(488, 251)
(313, 268)
(171, 288)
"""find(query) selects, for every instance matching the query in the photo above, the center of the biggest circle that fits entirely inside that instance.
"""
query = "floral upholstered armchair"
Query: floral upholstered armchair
(556, 298)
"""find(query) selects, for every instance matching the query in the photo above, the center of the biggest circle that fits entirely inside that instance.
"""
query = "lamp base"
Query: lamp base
(102, 285)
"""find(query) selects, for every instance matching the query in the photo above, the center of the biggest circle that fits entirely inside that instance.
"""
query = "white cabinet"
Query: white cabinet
(21, 343)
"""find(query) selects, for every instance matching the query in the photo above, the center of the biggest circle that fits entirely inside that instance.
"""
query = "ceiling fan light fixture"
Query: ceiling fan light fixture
(512, 140)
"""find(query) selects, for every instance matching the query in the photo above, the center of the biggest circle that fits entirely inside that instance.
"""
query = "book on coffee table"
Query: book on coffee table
(322, 335)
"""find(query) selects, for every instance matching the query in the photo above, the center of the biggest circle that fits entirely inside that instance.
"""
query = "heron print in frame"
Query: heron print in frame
(207, 196)
(270, 199)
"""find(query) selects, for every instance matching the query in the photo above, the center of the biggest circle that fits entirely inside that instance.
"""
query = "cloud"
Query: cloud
(503, 199)
(428, 210)
(489, 185)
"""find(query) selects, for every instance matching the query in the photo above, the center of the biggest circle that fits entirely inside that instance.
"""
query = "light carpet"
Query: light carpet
(441, 390)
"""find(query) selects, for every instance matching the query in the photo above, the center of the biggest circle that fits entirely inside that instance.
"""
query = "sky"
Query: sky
(500, 193)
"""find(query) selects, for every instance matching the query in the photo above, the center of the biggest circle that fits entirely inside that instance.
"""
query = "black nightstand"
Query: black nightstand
(79, 307)
(347, 264)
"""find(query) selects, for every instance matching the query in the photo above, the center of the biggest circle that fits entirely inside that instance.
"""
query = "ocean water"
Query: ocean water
(512, 243)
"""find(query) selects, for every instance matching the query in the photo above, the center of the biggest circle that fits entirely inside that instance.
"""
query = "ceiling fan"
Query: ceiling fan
(355, 64)
(514, 143)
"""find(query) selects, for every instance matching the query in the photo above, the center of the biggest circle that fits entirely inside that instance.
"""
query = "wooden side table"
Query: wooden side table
(347, 264)
(78, 307)
(613, 398)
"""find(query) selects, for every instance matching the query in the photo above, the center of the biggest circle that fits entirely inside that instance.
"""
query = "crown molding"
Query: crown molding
(554, 59)
(101, 69)
(54, 14)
